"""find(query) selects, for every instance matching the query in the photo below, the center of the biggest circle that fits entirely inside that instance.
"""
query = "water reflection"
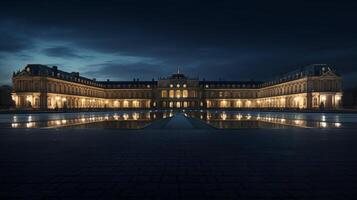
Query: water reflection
(140, 119)
(233, 120)
(126, 120)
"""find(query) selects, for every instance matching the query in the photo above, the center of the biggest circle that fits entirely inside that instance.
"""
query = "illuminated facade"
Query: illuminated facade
(43, 87)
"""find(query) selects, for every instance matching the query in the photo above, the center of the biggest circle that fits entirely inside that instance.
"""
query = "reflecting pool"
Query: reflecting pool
(254, 119)
(120, 120)
(215, 118)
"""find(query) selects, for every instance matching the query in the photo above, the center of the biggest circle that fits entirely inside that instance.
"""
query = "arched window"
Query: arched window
(163, 93)
(185, 104)
(172, 93)
(178, 93)
(223, 104)
(136, 104)
(126, 104)
(185, 94)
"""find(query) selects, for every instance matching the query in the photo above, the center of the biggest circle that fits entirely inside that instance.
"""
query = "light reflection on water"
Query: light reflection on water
(234, 120)
(140, 119)
(126, 120)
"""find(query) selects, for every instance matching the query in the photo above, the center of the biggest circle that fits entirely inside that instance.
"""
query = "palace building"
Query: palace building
(42, 87)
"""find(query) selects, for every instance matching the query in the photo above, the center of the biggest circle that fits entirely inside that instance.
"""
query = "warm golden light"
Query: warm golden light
(323, 124)
(171, 93)
(337, 125)
(126, 104)
(249, 116)
(116, 117)
(30, 124)
(136, 104)
(185, 94)
(178, 94)
(239, 116)
(135, 116)
(67, 91)
(224, 116)
(223, 104)
(125, 116)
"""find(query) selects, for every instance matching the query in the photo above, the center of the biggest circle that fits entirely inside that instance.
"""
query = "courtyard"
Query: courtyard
(178, 158)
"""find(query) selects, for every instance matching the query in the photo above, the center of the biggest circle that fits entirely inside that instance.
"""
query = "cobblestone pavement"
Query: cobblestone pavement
(178, 164)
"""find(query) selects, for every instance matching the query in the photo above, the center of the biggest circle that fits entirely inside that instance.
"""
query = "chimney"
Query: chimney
(108, 80)
(55, 68)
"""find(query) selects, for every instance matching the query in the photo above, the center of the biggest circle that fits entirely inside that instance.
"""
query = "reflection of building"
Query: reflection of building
(42, 87)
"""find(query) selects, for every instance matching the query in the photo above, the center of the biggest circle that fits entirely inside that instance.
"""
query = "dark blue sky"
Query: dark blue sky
(233, 40)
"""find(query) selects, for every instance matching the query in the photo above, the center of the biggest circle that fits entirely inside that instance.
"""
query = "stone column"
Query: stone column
(309, 100)
(43, 101)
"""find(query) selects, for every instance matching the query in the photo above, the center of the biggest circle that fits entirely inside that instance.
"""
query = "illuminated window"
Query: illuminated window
(163, 93)
(247, 103)
(171, 104)
(178, 104)
(223, 116)
(238, 104)
(223, 104)
(172, 94)
(49, 102)
(37, 101)
(323, 98)
(315, 101)
(136, 104)
(208, 104)
(178, 93)
(185, 104)
(126, 104)
(185, 94)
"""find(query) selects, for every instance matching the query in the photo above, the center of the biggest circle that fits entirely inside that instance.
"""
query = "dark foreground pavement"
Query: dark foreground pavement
(178, 164)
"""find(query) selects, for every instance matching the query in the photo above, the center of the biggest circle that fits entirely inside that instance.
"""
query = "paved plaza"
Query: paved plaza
(178, 160)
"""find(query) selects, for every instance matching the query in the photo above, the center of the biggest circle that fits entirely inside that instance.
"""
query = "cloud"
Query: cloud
(235, 41)
(62, 52)
(10, 43)
(119, 71)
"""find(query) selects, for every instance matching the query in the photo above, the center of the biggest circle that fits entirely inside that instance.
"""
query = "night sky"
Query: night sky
(232, 40)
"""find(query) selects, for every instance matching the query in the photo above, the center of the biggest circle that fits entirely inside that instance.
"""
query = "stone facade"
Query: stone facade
(43, 87)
